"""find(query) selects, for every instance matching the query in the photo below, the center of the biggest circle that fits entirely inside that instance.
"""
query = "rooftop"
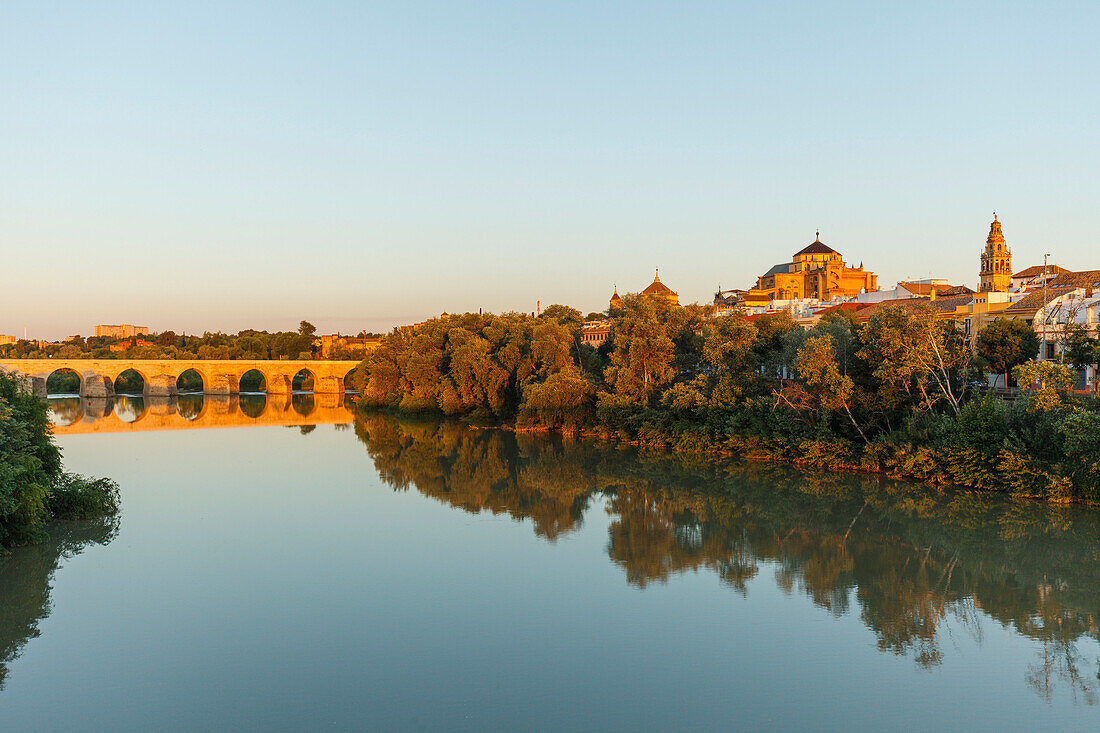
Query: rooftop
(657, 287)
(817, 247)
(1036, 270)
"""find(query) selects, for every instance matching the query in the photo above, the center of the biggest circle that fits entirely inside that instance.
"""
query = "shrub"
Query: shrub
(79, 497)
(33, 489)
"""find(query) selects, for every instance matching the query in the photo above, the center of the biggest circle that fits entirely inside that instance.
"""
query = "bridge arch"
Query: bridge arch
(191, 380)
(304, 380)
(349, 380)
(130, 382)
(63, 381)
(253, 381)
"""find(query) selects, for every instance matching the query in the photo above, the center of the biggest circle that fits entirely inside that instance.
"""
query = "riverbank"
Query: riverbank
(972, 451)
(34, 490)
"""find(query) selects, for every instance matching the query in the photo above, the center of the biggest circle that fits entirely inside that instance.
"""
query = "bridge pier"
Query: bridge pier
(277, 384)
(221, 384)
(96, 385)
(162, 385)
(328, 385)
(37, 383)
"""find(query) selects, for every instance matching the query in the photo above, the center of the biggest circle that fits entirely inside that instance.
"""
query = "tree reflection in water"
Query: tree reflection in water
(190, 405)
(25, 577)
(916, 562)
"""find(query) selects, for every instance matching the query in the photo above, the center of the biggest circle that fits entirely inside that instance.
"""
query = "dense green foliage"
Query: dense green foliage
(898, 395)
(33, 488)
(1006, 344)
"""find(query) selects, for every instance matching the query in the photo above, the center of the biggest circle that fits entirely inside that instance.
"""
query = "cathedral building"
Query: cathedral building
(816, 271)
(996, 261)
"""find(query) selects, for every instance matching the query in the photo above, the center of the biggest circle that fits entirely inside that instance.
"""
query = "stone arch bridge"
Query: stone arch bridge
(220, 377)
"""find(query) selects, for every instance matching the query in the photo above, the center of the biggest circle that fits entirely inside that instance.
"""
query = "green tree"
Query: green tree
(821, 387)
(307, 329)
(1047, 379)
(33, 487)
(917, 351)
(1005, 344)
(563, 314)
(642, 363)
(1082, 349)
(730, 360)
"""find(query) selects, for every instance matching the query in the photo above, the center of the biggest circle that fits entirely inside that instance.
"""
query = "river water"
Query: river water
(271, 573)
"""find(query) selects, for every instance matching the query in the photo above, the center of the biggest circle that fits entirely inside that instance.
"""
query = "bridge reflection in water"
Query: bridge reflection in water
(74, 415)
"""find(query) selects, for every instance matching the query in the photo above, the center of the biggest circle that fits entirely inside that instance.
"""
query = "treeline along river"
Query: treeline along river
(401, 573)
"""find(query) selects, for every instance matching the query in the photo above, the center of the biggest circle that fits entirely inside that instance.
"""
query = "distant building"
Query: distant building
(727, 301)
(915, 289)
(595, 333)
(656, 289)
(7, 339)
(123, 331)
(351, 346)
(1034, 276)
(996, 275)
(127, 343)
(1069, 297)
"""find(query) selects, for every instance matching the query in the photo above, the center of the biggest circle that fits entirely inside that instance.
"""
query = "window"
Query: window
(1050, 349)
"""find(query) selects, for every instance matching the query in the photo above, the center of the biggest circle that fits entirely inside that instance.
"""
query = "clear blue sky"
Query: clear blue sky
(201, 166)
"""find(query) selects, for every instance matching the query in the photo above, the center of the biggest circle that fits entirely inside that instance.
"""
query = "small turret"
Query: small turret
(616, 301)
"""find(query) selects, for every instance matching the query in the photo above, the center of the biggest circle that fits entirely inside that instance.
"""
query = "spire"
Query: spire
(817, 236)
(995, 236)
(657, 275)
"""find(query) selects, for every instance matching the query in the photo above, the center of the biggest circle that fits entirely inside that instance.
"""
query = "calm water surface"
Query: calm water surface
(269, 573)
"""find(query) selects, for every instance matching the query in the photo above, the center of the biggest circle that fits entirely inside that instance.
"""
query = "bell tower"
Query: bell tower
(996, 261)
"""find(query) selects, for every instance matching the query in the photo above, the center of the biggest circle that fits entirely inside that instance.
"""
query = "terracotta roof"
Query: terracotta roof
(658, 288)
(943, 305)
(1037, 270)
(817, 247)
(1030, 304)
(949, 303)
(927, 288)
(1082, 279)
(843, 307)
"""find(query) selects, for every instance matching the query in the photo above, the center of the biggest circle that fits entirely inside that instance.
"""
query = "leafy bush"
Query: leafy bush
(32, 484)
(79, 497)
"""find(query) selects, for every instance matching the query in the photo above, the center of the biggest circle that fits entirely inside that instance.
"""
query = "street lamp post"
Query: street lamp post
(1043, 350)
